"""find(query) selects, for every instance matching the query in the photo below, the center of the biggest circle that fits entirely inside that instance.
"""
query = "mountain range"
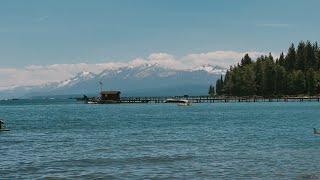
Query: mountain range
(143, 80)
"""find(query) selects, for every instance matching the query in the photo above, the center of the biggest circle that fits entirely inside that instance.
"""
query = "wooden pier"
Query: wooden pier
(209, 99)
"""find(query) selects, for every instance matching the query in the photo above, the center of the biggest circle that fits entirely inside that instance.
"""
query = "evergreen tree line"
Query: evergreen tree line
(296, 73)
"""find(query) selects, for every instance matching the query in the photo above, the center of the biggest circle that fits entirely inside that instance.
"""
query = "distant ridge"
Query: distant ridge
(146, 79)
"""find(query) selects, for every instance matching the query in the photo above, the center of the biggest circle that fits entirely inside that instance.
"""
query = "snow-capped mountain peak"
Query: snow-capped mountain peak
(212, 69)
(81, 76)
(85, 74)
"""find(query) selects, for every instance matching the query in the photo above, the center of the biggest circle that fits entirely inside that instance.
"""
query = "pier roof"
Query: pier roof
(110, 92)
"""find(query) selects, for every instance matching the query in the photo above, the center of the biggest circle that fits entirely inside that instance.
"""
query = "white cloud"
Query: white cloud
(36, 75)
(220, 58)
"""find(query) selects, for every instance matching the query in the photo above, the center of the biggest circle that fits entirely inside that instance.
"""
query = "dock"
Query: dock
(113, 97)
(209, 99)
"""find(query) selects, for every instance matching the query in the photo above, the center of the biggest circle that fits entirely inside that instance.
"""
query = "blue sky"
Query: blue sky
(37, 32)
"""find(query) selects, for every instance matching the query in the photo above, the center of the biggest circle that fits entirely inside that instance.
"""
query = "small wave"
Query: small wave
(81, 176)
(182, 141)
(102, 149)
(132, 160)
(159, 159)
(9, 142)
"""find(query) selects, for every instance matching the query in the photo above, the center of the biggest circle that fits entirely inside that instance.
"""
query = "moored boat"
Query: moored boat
(171, 100)
(180, 102)
(92, 102)
(184, 102)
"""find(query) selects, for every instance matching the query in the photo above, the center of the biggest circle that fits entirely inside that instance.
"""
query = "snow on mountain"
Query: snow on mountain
(146, 79)
(211, 69)
(82, 76)
(143, 71)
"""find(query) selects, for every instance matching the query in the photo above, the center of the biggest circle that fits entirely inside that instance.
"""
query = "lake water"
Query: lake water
(65, 139)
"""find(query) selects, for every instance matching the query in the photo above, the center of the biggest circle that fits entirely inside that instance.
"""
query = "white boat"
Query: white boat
(184, 102)
(171, 100)
(92, 102)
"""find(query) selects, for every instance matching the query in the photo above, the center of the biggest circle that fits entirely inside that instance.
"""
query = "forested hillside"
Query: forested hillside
(295, 73)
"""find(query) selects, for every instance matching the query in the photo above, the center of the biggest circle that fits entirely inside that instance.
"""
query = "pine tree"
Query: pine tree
(300, 59)
(259, 71)
(219, 86)
(310, 82)
(290, 59)
(248, 81)
(227, 85)
(280, 80)
(246, 60)
(315, 46)
(317, 54)
(211, 91)
(281, 60)
(309, 56)
(269, 77)
(290, 90)
(299, 82)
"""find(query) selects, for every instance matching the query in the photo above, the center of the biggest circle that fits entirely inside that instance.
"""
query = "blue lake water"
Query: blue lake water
(65, 139)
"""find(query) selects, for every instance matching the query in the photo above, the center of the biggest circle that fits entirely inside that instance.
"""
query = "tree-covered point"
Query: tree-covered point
(296, 73)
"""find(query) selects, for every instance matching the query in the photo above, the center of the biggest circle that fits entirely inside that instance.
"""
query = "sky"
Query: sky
(90, 35)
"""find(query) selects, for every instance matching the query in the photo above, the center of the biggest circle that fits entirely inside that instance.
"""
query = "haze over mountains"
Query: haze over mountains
(143, 80)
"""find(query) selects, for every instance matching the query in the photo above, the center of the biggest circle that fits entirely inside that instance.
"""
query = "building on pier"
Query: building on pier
(110, 96)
